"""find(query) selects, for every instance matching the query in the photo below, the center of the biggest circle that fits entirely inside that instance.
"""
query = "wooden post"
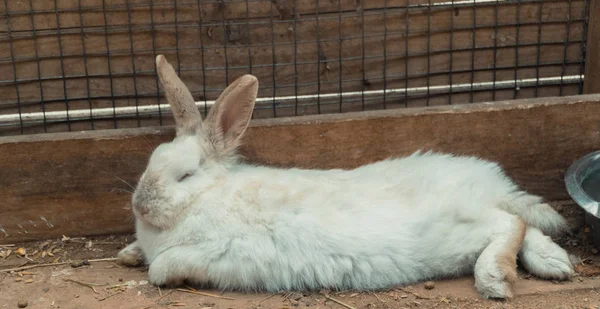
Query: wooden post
(591, 83)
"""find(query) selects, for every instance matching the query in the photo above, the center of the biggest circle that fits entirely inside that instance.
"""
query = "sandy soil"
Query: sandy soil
(77, 281)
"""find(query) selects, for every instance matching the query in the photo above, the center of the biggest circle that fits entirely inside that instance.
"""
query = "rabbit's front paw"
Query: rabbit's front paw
(160, 275)
(131, 255)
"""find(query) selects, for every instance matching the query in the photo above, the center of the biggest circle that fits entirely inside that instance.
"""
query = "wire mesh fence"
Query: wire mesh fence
(89, 64)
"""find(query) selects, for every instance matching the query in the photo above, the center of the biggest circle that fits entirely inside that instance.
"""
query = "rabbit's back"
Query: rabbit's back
(429, 180)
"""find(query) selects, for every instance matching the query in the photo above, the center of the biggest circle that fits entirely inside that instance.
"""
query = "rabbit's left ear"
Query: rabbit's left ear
(230, 116)
(186, 114)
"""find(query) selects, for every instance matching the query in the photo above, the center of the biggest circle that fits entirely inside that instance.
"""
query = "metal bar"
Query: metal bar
(84, 114)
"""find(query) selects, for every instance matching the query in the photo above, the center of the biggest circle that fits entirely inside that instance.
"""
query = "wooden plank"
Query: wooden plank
(91, 16)
(330, 28)
(164, 11)
(211, 83)
(592, 60)
(279, 60)
(73, 183)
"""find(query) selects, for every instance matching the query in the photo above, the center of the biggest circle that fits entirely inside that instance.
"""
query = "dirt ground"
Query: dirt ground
(78, 280)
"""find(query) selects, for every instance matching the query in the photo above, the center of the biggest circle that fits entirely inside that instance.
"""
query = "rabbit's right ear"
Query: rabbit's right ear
(229, 117)
(186, 114)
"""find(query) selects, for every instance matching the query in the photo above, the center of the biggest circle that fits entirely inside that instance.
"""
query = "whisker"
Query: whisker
(119, 178)
(150, 146)
(124, 190)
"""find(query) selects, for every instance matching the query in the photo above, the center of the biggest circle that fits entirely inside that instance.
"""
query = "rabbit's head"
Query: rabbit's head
(178, 171)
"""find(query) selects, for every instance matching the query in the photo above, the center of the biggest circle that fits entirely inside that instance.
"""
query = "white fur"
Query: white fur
(541, 256)
(274, 229)
(393, 222)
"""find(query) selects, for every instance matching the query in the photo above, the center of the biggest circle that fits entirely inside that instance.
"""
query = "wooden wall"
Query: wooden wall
(100, 53)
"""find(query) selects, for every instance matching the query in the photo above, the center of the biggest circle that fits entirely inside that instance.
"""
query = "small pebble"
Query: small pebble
(22, 303)
(429, 285)
(164, 302)
(21, 251)
(76, 264)
(45, 290)
(120, 279)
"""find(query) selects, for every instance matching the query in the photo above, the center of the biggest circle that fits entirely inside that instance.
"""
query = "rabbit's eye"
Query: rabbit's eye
(182, 178)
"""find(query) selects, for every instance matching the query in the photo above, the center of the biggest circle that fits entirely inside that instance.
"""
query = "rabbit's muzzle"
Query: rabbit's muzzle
(146, 193)
(141, 209)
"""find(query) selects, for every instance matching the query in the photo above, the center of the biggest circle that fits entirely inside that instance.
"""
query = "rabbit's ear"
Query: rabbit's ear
(229, 117)
(186, 114)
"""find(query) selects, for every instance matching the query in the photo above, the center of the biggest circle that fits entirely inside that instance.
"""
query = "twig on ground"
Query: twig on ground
(339, 302)
(53, 264)
(110, 295)
(88, 285)
(585, 260)
(344, 291)
(176, 304)
(204, 294)
(103, 260)
(159, 291)
(377, 296)
(287, 295)
(32, 266)
(161, 298)
(260, 301)
(413, 293)
(110, 287)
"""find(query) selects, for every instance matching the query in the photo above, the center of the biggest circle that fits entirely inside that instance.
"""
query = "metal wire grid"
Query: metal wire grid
(311, 57)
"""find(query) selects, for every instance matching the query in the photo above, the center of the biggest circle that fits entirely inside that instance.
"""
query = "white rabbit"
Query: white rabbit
(206, 218)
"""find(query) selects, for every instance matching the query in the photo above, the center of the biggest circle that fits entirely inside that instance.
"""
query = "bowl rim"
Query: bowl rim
(573, 179)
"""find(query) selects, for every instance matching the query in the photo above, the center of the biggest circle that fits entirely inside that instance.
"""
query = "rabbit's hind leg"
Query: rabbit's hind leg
(543, 257)
(176, 266)
(496, 267)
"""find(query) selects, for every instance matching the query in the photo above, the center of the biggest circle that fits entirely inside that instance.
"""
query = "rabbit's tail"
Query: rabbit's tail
(536, 213)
